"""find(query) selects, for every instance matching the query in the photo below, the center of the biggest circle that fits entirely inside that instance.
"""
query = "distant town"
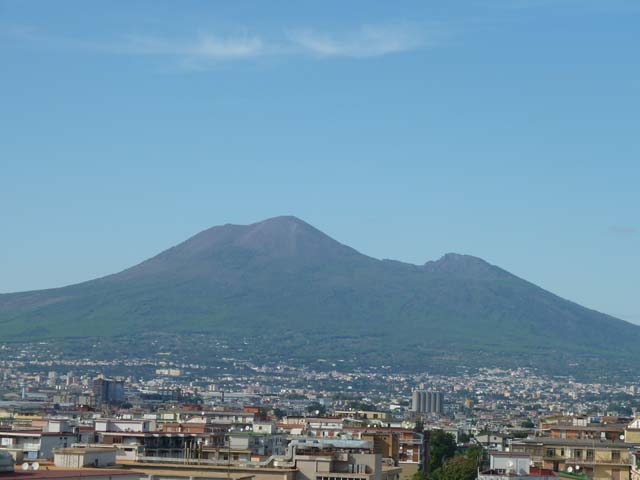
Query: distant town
(166, 419)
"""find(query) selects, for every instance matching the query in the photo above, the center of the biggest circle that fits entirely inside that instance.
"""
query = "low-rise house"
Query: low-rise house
(512, 466)
(78, 457)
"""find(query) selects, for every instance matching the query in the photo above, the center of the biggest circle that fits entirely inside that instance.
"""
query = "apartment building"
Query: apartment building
(598, 459)
(36, 444)
(635, 468)
(513, 466)
(372, 416)
(344, 466)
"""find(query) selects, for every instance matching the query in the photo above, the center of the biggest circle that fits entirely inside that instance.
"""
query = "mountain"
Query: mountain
(282, 278)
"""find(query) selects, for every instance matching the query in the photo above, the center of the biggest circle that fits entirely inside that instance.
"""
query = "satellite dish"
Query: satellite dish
(577, 467)
(622, 437)
(510, 464)
(35, 465)
(25, 466)
(570, 469)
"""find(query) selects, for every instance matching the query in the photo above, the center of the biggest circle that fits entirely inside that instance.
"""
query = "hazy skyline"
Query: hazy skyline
(502, 129)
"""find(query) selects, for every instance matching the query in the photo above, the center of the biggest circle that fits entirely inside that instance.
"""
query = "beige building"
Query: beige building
(635, 468)
(632, 436)
(84, 457)
(367, 415)
(632, 432)
(314, 466)
(344, 466)
(599, 459)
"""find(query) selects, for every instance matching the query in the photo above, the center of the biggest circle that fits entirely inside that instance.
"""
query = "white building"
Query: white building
(84, 457)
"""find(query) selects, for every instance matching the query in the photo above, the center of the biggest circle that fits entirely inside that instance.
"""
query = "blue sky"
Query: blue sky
(506, 129)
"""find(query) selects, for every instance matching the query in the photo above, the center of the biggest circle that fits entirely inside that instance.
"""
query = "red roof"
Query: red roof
(541, 472)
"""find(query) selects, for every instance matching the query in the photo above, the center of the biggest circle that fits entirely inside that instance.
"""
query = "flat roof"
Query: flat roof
(188, 473)
(598, 428)
(573, 442)
(55, 473)
(78, 450)
(172, 466)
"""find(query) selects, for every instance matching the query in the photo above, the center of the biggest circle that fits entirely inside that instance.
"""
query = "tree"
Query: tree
(462, 466)
(419, 426)
(527, 424)
(279, 413)
(420, 475)
(316, 408)
(441, 446)
(457, 468)
(476, 453)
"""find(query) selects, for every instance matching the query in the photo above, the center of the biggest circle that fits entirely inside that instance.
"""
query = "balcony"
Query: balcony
(623, 461)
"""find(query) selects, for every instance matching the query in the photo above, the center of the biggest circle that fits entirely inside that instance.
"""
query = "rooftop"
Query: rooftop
(52, 472)
(565, 441)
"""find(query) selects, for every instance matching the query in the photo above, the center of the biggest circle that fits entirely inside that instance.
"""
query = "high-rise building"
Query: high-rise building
(415, 401)
(107, 390)
(438, 403)
(427, 402)
(419, 401)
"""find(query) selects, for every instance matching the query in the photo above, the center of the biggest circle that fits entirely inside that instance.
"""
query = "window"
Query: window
(551, 452)
(590, 455)
(577, 453)
(615, 455)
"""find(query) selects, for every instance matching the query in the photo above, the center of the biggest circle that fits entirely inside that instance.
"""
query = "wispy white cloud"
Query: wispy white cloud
(205, 48)
(202, 45)
(370, 41)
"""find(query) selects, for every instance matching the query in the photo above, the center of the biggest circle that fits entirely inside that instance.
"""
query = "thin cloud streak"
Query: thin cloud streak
(370, 41)
(204, 46)
(367, 42)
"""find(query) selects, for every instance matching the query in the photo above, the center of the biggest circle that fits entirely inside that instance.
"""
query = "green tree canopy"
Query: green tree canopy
(457, 468)
(442, 446)
(420, 475)
(460, 467)
(316, 407)
(527, 424)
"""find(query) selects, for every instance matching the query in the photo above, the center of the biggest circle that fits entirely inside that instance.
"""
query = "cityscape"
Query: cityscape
(168, 419)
